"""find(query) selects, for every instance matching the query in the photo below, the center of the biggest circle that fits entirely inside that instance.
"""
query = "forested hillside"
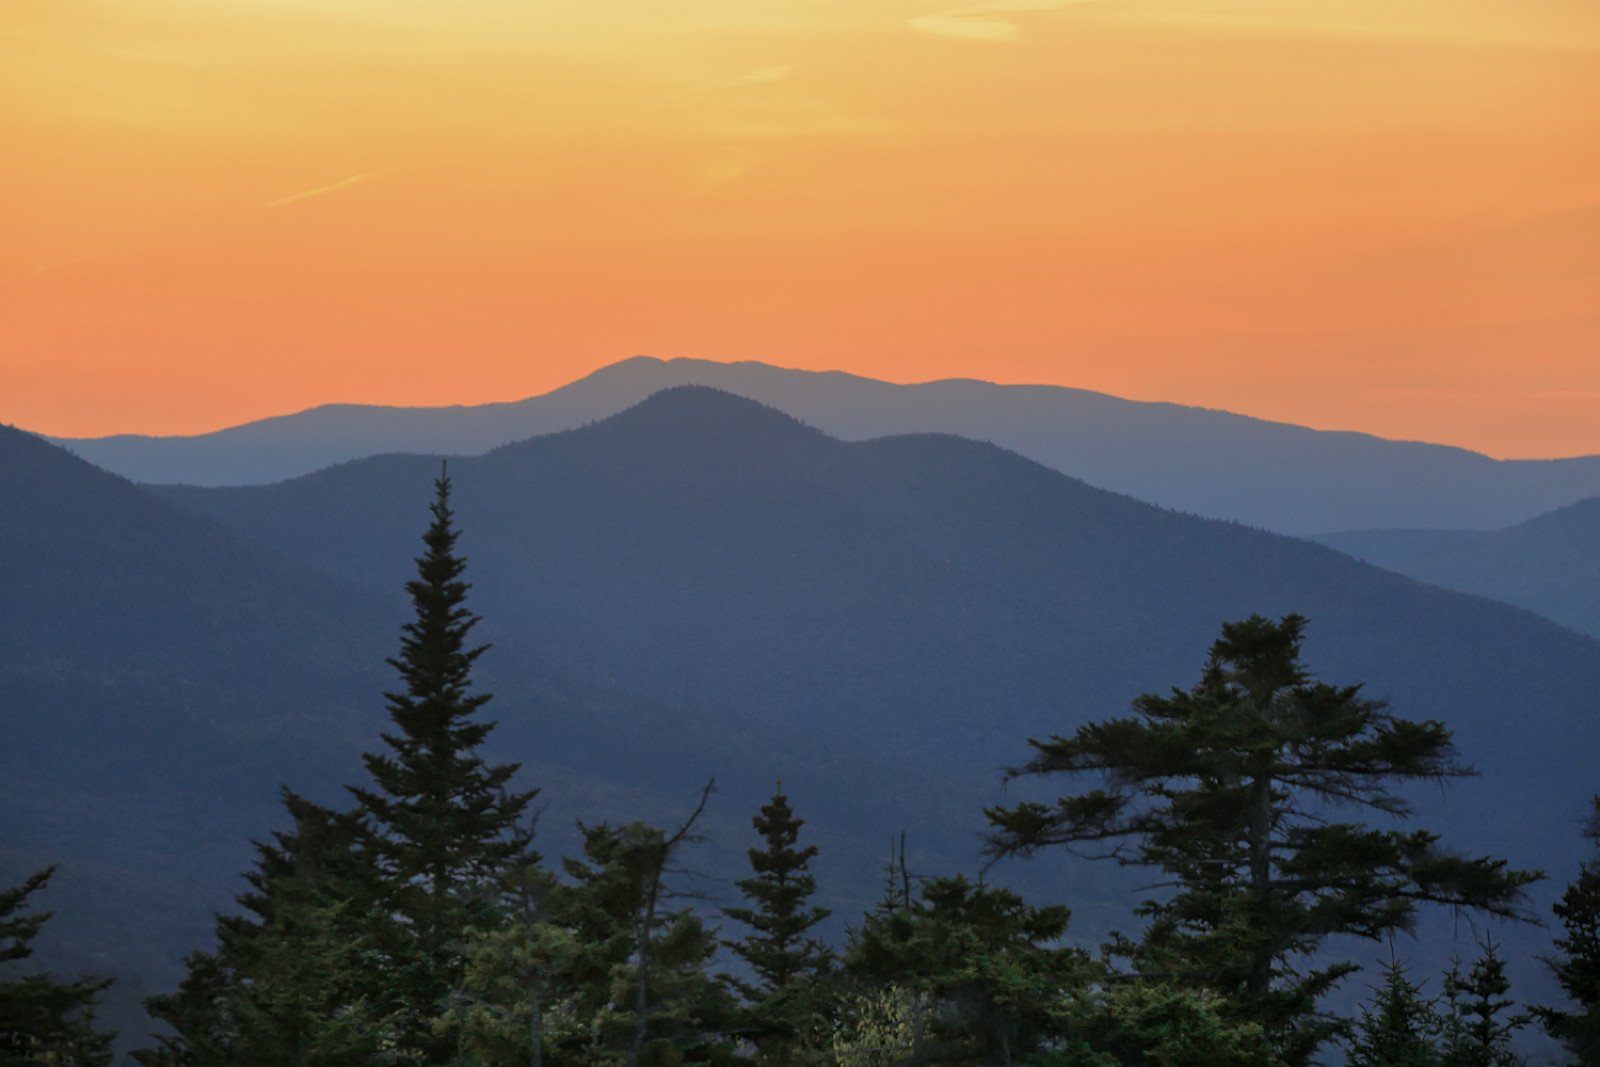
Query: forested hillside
(1548, 564)
(700, 586)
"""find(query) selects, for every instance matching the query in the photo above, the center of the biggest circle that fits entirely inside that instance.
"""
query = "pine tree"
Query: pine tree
(1477, 1030)
(442, 823)
(1578, 968)
(42, 1020)
(785, 1000)
(1398, 1027)
(1226, 788)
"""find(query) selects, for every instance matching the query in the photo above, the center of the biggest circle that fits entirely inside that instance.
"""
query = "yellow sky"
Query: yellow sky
(1369, 215)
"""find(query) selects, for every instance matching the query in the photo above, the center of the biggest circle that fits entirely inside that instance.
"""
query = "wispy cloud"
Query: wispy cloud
(346, 183)
(986, 22)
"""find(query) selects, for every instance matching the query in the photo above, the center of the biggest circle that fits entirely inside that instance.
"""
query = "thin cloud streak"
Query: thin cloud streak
(322, 189)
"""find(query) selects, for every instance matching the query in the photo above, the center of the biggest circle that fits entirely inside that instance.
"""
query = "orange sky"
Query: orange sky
(1380, 215)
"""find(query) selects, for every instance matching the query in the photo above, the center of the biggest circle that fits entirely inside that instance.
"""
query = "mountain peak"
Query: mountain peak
(699, 416)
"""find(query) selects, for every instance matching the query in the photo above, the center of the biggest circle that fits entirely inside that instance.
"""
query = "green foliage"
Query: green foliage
(643, 968)
(294, 980)
(1578, 967)
(353, 937)
(1398, 1027)
(1226, 788)
(988, 964)
(440, 824)
(515, 1002)
(1477, 1030)
(876, 1026)
(592, 971)
(1126, 1021)
(42, 1020)
(786, 1004)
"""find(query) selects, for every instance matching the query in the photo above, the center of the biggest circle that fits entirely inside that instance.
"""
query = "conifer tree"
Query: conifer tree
(42, 1020)
(1227, 787)
(1398, 1026)
(297, 980)
(1477, 1030)
(985, 966)
(788, 964)
(516, 1002)
(441, 822)
(1133, 1021)
(638, 978)
(1578, 966)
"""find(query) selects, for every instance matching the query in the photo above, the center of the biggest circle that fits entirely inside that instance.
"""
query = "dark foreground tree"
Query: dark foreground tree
(1578, 966)
(985, 970)
(42, 1020)
(355, 930)
(1135, 1022)
(639, 978)
(441, 823)
(1228, 788)
(785, 998)
(1398, 1027)
(1479, 1022)
(293, 982)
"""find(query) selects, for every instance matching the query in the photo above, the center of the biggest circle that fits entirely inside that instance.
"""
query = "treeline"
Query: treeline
(419, 925)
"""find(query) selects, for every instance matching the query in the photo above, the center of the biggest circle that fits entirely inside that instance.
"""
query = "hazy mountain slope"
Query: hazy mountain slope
(937, 596)
(159, 677)
(1277, 476)
(698, 586)
(1549, 564)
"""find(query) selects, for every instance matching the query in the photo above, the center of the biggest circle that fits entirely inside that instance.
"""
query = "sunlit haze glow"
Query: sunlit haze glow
(1381, 215)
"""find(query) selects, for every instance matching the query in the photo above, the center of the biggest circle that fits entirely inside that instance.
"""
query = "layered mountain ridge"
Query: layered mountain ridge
(1213, 463)
(698, 586)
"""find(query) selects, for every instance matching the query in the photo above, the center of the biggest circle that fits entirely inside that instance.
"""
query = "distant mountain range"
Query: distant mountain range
(1210, 463)
(698, 585)
(1549, 564)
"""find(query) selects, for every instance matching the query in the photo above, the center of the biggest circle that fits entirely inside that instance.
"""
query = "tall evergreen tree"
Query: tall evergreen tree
(442, 824)
(42, 1020)
(1578, 967)
(788, 964)
(1227, 788)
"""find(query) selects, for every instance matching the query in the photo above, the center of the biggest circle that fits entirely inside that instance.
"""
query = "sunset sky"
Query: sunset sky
(1381, 215)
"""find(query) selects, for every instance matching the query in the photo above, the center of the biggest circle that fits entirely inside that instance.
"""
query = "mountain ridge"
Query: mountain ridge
(1207, 462)
(1547, 564)
(704, 586)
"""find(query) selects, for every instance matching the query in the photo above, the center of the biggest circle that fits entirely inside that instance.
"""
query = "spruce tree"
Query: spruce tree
(1228, 788)
(42, 1020)
(1398, 1026)
(442, 824)
(1477, 1028)
(1578, 966)
(788, 964)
